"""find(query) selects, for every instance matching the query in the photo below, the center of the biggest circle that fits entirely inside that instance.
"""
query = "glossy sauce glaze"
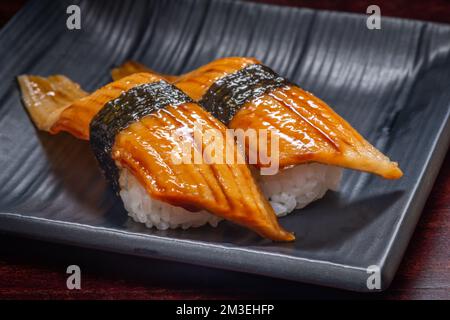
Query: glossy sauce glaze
(144, 147)
(46, 98)
(117, 114)
(226, 190)
(308, 129)
(76, 118)
(57, 104)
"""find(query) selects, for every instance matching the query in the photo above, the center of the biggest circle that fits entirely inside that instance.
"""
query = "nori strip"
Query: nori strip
(118, 114)
(228, 94)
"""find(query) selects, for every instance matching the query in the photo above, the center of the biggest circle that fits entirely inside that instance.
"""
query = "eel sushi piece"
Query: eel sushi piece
(130, 125)
(244, 94)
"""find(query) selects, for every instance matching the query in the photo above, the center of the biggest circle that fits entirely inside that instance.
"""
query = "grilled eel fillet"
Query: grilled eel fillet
(308, 129)
(144, 148)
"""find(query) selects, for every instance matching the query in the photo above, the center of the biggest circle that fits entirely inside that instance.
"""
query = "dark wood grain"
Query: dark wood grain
(8, 9)
(425, 269)
(36, 270)
(433, 10)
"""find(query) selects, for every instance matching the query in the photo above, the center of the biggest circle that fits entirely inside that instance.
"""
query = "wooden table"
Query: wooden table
(36, 270)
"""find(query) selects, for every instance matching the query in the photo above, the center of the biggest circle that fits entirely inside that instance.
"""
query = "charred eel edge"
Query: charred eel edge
(116, 115)
(227, 95)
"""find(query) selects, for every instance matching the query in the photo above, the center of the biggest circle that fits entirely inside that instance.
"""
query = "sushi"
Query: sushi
(129, 125)
(315, 143)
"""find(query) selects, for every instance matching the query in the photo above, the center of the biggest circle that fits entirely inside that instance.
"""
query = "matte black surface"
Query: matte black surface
(118, 114)
(227, 95)
(391, 84)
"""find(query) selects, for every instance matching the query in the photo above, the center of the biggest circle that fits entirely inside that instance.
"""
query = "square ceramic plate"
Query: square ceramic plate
(391, 84)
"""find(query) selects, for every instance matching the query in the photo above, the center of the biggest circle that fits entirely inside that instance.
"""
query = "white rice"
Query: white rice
(290, 189)
(153, 213)
(296, 187)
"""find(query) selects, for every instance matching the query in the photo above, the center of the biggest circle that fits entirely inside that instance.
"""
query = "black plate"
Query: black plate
(391, 84)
